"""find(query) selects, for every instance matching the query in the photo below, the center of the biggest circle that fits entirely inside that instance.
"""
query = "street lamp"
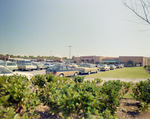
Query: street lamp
(69, 51)
(50, 53)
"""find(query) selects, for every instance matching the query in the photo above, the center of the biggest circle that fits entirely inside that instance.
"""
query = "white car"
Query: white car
(5, 71)
(47, 65)
(10, 65)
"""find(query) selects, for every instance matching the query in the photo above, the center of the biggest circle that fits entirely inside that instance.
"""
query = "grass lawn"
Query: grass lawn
(127, 72)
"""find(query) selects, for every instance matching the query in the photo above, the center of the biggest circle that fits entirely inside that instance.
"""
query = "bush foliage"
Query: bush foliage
(76, 98)
(67, 97)
(16, 97)
(142, 93)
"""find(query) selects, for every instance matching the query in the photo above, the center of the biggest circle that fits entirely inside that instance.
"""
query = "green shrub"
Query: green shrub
(142, 93)
(39, 80)
(78, 79)
(148, 66)
(145, 67)
(73, 99)
(16, 97)
(98, 80)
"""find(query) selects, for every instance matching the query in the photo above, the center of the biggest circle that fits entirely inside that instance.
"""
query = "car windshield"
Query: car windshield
(27, 64)
(38, 63)
(110, 65)
(53, 68)
(103, 65)
(11, 64)
(28, 61)
(46, 64)
(84, 65)
(34, 64)
(4, 70)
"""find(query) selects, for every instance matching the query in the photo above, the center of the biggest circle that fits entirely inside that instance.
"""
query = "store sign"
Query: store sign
(87, 58)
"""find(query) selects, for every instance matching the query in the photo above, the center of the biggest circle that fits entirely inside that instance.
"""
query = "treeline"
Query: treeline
(31, 56)
(71, 98)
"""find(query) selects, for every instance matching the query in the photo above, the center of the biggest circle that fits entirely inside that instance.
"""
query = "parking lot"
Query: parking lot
(43, 71)
(34, 72)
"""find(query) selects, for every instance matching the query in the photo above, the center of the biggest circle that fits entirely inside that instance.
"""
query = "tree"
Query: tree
(7, 54)
(64, 58)
(25, 56)
(38, 56)
(18, 56)
(31, 56)
(139, 7)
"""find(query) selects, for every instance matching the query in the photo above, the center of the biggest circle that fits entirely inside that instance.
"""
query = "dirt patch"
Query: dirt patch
(128, 109)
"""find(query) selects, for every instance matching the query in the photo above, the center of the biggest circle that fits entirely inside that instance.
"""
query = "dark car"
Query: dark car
(119, 66)
(62, 71)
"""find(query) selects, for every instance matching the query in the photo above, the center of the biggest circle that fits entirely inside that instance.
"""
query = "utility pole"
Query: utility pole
(50, 54)
(69, 51)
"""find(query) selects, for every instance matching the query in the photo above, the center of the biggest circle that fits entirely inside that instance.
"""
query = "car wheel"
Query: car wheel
(75, 74)
(61, 75)
(13, 70)
(97, 71)
(31, 69)
(40, 68)
(89, 72)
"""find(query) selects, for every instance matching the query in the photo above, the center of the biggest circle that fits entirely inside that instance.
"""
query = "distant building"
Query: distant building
(125, 60)
(5, 58)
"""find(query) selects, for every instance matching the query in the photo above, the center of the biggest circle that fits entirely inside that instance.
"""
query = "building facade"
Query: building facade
(133, 60)
(125, 60)
(5, 58)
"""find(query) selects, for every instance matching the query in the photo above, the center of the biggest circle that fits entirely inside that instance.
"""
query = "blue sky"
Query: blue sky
(91, 27)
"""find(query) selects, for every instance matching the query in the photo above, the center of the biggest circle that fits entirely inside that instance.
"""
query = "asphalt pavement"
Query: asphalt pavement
(34, 72)
(43, 71)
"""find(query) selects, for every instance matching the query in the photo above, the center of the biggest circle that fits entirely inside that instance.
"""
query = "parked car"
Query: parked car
(87, 68)
(48, 65)
(5, 71)
(26, 66)
(23, 61)
(62, 71)
(73, 65)
(38, 65)
(112, 67)
(119, 66)
(104, 67)
(1, 61)
(10, 65)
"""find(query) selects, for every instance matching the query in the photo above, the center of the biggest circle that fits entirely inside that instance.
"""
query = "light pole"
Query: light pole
(50, 53)
(69, 51)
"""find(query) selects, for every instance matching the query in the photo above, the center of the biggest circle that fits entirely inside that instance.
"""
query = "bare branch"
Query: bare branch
(144, 6)
(144, 9)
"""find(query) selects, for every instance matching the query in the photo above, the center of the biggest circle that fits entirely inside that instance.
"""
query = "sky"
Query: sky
(90, 27)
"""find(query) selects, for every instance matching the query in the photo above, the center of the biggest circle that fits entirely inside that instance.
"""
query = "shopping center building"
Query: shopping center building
(126, 60)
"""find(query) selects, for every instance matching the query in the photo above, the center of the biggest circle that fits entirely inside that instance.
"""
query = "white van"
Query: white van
(10, 65)
(23, 61)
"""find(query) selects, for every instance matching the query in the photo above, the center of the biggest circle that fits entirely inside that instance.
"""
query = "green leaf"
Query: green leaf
(5, 98)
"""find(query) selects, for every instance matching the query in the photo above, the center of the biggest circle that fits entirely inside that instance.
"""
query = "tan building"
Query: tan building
(5, 58)
(94, 59)
(133, 60)
(126, 60)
